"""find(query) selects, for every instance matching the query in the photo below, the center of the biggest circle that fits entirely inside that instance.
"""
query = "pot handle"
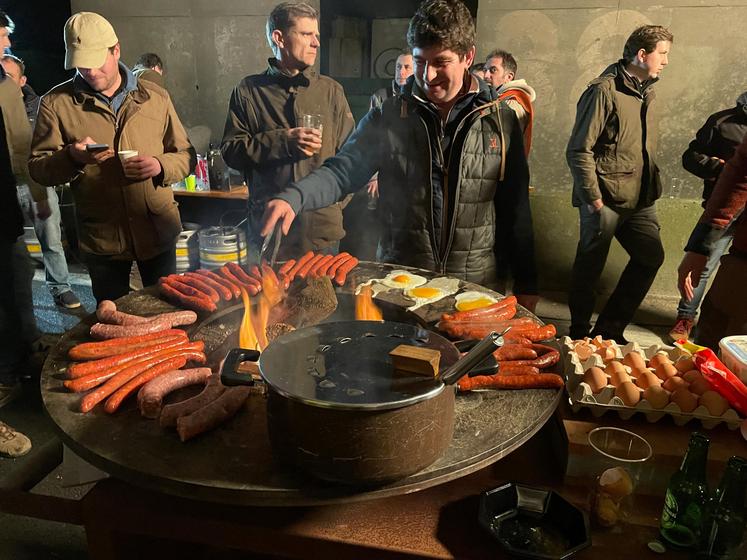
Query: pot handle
(228, 371)
(466, 363)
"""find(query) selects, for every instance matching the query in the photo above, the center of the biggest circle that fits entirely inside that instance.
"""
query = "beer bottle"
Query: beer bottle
(686, 496)
(724, 523)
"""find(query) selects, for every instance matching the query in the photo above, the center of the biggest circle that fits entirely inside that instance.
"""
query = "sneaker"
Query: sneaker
(681, 329)
(68, 300)
(13, 443)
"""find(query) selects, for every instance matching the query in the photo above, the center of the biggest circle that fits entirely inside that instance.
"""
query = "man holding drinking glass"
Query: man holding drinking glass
(283, 123)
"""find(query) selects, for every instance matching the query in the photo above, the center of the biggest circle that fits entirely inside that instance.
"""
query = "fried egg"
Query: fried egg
(473, 300)
(403, 280)
(432, 291)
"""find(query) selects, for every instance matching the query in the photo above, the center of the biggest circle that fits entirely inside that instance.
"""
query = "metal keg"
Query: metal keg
(187, 248)
(219, 245)
(33, 246)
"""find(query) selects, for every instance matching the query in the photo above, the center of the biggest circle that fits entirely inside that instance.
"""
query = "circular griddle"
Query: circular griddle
(234, 464)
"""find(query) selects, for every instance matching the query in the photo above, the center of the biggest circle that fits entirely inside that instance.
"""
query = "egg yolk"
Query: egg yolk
(473, 304)
(425, 292)
(401, 279)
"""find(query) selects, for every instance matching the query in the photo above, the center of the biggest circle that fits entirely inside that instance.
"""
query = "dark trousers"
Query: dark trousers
(110, 277)
(17, 323)
(724, 310)
(638, 233)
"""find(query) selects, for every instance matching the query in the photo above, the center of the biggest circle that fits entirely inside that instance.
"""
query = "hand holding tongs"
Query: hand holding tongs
(276, 236)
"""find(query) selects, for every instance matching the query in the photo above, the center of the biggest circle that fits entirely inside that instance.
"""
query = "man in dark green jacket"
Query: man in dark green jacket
(616, 183)
(264, 138)
(452, 172)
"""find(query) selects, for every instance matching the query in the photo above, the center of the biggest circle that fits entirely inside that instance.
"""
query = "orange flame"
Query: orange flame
(365, 308)
(253, 332)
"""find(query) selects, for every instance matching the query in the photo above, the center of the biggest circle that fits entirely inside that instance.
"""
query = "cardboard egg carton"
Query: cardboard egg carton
(581, 395)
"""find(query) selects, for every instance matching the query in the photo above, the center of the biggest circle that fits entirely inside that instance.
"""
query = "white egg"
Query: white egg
(376, 287)
(403, 280)
(473, 300)
(432, 291)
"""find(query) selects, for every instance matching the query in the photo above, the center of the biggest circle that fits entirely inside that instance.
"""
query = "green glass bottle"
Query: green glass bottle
(725, 518)
(686, 496)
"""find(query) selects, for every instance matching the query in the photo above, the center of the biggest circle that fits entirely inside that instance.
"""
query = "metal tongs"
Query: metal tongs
(277, 235)
(479, 352)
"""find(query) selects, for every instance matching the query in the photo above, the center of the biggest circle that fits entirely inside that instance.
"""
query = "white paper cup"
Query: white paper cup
(126, 154)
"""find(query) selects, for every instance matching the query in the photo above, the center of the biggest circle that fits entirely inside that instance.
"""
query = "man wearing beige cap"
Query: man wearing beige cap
(125, 208)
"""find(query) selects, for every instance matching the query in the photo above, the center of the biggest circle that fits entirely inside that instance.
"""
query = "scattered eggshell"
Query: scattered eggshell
(595, 378)
(584, 350)
(628, 393)
(634, 360)
(656, 396)
(646, 378)
(607, 353)
(674, 383)
(659, 358)
(686, 400)
(665, 370)
(616, 482)
(715, 403)
(692, 375)
(684, 364)
(700, 386)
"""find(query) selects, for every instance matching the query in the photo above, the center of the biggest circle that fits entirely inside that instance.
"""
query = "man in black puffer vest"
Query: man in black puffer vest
(453, 178)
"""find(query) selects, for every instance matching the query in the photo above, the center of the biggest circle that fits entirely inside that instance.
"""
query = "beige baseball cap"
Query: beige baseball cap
(88, 37)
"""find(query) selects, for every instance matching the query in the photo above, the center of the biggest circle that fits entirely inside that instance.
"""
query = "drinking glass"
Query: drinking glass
(312, 121)
(618, 458)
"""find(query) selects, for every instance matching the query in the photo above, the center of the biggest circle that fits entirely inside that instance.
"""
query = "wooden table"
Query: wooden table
(212, 208)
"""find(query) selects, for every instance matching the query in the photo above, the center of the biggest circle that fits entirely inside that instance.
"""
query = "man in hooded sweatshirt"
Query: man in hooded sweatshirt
(500, 72)
(453, 177)
(705, 157)
(616, 183)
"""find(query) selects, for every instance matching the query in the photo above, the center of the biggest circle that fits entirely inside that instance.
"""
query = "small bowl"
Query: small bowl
(534, 523)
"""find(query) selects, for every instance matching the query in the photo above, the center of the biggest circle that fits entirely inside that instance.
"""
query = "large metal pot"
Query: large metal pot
(337, 410)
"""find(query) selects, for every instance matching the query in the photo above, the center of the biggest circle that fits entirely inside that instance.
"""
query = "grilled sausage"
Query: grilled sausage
(106, 312)
(342, 272)
(235, 290)
(104, 348)
(151, 395)
(198, 284)
(225, 293)
(214, 414)
(172, 412)
(102, 331)
(199, 303)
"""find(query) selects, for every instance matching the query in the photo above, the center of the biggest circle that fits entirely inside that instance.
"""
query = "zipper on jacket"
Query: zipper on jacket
(430, 191)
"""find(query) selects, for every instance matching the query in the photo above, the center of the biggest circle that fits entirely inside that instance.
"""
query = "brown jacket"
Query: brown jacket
(18, 135)
(261, 110)
(116, 216)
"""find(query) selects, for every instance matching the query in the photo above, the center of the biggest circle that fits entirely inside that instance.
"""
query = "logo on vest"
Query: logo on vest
(493, 143)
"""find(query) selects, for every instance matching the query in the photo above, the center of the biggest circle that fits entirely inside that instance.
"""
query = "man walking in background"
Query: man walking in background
(264, 134)
(48, 231)
(500, 71)
(125, 208)
(616, 183)
(705, 157)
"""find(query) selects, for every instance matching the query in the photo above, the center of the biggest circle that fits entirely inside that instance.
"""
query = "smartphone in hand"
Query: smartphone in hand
(96, 147)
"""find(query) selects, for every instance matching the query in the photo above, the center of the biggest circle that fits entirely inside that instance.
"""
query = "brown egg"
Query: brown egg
(700, 386)
(659, 358)
(596, 379)
(715, 403)
(665, 370)
(692, 375)
(634, 360)
(686, 400)
(656, 396)
(583, 351)
(684, 364)
(628, 393)
(674, 383)
(646, 378)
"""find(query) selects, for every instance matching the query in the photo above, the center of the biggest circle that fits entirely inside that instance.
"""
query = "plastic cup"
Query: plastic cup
(126, 154)
(191, 182)
(617, 460)
(312, 121)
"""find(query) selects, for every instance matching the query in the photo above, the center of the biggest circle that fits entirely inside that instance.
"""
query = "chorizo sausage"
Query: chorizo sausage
(196, 303)
(225, 293)
(301, 262)
(111, 347)
(198, 284)
(151, 395)
(234, 288)
(344, 269)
